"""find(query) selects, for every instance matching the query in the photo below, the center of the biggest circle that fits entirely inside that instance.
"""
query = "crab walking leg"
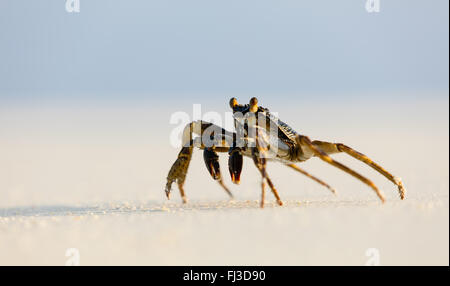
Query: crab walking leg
(263, 192)
(272, 187)
(180, 167)
(258, 164)
(332, 148)
(305, 141)
(183, 196)
(225, 188)
(178, 171)
(300, 170)
(259, 158)
(261, 165)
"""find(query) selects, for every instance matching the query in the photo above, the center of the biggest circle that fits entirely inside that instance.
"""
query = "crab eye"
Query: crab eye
(233, 102)
(253, 104)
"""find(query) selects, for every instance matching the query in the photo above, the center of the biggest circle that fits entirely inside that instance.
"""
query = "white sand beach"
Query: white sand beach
(92, 178)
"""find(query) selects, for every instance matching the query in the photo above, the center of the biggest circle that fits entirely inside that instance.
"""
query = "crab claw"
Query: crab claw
(235, 165)
(168, 189)
(178, 171)
(212, 164)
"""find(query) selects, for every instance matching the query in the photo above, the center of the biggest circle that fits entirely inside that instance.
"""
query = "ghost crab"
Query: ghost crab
(262, 137)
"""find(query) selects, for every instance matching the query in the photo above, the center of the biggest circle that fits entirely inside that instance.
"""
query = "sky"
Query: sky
(147, 48)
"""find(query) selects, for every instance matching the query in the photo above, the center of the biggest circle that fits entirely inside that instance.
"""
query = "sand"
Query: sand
(92, 179)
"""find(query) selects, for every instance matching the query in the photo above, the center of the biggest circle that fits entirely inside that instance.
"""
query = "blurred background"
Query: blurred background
(86, 99)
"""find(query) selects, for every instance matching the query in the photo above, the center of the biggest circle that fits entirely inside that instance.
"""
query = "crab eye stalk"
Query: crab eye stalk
(253, 105)
(233, 102)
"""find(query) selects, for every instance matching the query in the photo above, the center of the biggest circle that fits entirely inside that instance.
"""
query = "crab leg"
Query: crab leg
(261, 165)
(259, 158)
(263, 193)
(180, 167)
(178, 171)
(305, 141)
(272, 187)
(212, 164)
(300, 170)
(332, 148)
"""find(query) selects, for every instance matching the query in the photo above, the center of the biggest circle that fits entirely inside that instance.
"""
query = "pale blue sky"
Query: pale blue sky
(126, 48)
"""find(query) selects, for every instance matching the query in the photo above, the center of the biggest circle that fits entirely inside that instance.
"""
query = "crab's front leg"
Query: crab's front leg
(212, 164)
(178, 171)
(180, 167)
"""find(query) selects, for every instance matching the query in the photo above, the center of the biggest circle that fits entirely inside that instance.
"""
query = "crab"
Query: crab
(263, 137)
